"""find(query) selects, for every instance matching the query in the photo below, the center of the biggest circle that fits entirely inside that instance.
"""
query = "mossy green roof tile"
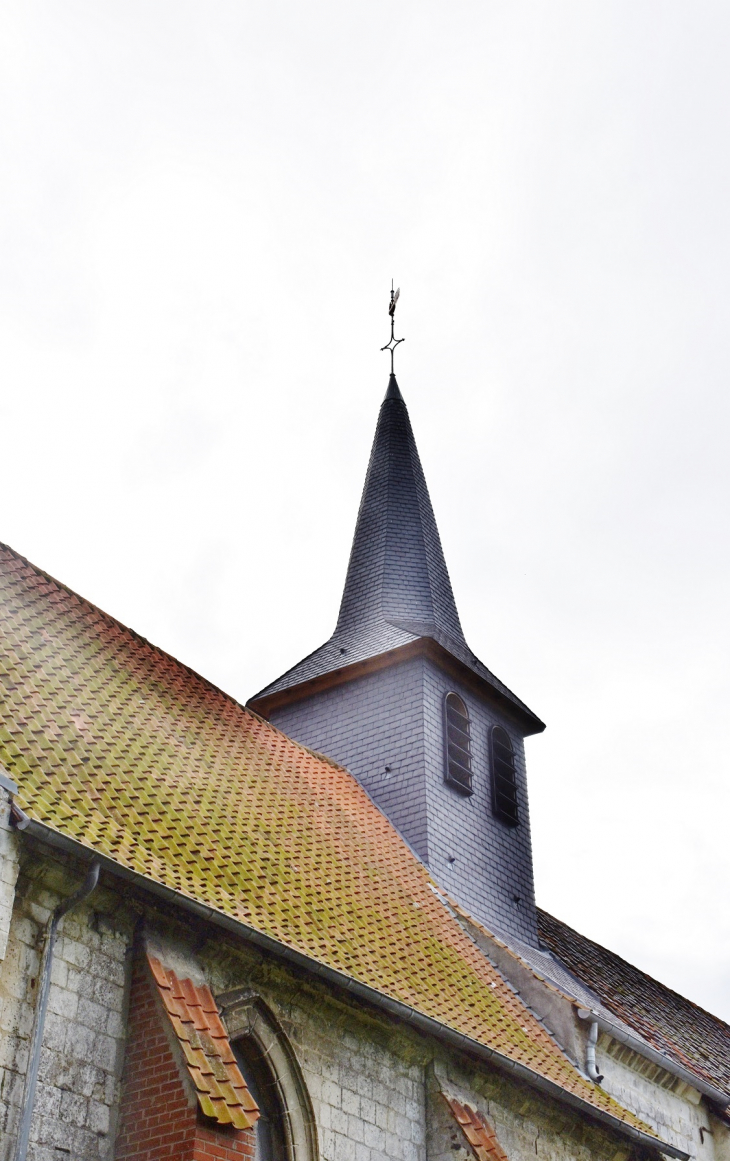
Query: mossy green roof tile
(173, 779)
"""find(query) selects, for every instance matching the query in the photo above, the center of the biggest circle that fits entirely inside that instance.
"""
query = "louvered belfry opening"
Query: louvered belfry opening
(458, 743)
(504, 783)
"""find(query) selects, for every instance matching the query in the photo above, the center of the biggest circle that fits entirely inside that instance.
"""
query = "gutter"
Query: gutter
(396, 1008)
(620, 1033)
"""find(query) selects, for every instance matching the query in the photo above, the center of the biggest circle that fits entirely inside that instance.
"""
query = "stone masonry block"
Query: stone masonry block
(355, 1129)
(350, 1101)
(91, 1014)
(63, 1003)
(332, 1093)
(73, 1109)
(98, 1117)
(74, 953)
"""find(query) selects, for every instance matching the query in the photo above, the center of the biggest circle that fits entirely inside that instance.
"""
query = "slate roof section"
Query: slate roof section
(668, 1022)
(397, 588)
(219, 1086)
(476, 1128)
(118, 746)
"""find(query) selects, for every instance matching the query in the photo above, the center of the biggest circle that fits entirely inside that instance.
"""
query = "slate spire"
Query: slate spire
(397, 589)
(397, 573)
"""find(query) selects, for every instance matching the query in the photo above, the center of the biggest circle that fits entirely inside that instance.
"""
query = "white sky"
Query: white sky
(201, 208)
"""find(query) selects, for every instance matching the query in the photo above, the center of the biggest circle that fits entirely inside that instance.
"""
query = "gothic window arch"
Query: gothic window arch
(286, 1129)
(271, 1142)
(457, 739)
(504, 778)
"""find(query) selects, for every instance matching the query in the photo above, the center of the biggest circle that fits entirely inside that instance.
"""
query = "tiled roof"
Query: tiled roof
(477, 1130)
(670, 1024)
(219, 1086)
(118, 746)
(397, 588)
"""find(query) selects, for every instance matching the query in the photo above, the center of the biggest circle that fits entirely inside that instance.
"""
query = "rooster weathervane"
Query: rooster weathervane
(393, 341)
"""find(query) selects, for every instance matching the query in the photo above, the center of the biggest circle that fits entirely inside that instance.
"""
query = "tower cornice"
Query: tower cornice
(527, 722)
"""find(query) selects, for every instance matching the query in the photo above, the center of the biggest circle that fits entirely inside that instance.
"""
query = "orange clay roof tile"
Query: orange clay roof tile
(477, 1130)
(121, 747)
(219, 1086)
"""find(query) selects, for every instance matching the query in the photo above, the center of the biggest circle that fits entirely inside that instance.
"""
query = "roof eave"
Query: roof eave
(410, 1016)
(636, 1043)
(266, 704)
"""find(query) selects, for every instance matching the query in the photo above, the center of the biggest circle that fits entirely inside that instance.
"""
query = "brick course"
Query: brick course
(159, 1116)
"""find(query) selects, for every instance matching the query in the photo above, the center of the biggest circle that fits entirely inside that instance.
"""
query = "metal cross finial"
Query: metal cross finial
(393, 341)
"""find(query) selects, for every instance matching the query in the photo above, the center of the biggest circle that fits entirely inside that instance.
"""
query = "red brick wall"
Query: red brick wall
(157, 1120)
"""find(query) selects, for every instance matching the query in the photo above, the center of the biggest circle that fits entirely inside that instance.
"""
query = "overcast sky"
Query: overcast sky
(201, 207)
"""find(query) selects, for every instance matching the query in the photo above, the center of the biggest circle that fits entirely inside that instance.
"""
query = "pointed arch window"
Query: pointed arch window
(286, 1129)
(270, 1128)
(457, 734)
(504, 780)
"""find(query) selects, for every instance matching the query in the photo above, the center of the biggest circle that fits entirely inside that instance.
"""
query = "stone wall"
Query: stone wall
(526, 1125)
(673, 1108)
(372, 1083)
(365, 1081)
(678, 1119)
(81, 1058)
(9, 861)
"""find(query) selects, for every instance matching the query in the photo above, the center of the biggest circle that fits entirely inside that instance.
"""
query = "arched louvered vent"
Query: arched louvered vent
(458, 743)
(504, 784)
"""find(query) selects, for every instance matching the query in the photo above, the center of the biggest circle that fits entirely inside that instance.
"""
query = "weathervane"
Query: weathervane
(393, 341)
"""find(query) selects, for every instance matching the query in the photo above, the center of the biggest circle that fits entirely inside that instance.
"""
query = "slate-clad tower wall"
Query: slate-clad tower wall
(372, 697)
(387, 729)
(374, 726)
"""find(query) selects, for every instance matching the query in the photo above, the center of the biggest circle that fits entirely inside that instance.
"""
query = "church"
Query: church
(305, 928)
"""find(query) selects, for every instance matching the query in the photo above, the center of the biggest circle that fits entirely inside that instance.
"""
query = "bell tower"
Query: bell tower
(397, 697)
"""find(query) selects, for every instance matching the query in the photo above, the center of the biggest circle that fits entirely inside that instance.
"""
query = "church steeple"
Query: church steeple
(397, 589)
(397, 696)
(397, 573)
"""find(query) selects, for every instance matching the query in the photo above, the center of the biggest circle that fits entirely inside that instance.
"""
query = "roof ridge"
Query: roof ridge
(391, 509)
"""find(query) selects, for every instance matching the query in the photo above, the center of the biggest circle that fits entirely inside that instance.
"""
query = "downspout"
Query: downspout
(31, 1076)
(591, 1066)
